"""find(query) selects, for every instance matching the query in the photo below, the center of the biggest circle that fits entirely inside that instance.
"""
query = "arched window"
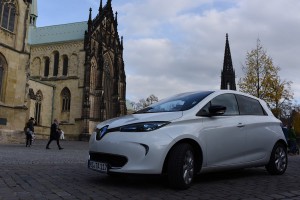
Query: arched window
(56, 63)
(8, 14)
(47, 63)
(38, 107)
(66, 100)
(65, 65)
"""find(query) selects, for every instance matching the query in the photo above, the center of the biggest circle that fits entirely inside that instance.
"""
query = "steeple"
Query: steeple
(33, 13)
(100, 7)
(90, 21)
(228, 73)
(116, 18)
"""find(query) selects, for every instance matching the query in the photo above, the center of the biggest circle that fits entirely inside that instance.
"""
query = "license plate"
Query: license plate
(98, 166)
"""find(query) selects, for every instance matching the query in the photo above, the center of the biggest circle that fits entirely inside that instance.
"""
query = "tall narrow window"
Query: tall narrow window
(47, 63)
(12, 17)
(65, 65)
(66, 100)
(1, 76)
(38, 107)
(7, 15)
(56, 62)
(1, 8)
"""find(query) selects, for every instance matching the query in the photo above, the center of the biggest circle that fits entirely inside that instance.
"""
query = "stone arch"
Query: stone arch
(65, 98)
(38, 106)
(36, 67)
(73, 65)
(93, 75)
(107, 83)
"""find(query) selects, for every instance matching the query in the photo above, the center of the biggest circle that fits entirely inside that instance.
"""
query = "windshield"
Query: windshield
(180, 102)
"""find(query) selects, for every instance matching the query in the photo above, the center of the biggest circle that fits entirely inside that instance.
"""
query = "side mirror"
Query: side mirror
(217, 110)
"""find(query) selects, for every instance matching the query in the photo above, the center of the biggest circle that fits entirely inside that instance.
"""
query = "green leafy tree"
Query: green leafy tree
(262, 80)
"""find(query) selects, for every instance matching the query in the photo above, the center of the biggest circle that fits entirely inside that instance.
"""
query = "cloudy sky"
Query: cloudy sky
(172, 46)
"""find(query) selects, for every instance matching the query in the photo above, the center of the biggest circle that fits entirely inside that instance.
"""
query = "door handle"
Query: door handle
(240, 125)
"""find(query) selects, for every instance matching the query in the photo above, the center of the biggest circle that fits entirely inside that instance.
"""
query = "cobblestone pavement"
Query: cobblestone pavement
(37, 173)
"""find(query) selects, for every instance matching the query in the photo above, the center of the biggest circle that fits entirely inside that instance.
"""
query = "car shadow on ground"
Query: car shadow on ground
(161, 181)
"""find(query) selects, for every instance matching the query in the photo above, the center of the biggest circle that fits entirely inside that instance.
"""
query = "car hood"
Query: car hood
(137, 118)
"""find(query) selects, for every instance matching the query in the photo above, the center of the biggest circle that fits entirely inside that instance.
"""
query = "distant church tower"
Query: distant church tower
(228, 73)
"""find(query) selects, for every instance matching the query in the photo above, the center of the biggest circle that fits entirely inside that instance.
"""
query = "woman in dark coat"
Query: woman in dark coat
(54, 134)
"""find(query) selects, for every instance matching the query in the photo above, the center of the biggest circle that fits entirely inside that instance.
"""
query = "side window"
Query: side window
(56, 63)
(65, 65)
(47, 63)
(7, 14)
(1, 76)
(38, 107)
(66, 100)
(249, 106)
(227, 100)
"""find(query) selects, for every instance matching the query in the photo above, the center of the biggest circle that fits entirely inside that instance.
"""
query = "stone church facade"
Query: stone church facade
(70, 72)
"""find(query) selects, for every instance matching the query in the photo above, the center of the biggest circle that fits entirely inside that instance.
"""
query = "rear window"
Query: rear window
(249, 106)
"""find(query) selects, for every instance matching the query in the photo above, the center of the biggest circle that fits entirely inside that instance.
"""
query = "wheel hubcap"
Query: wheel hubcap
(280, 159)
(188, 167)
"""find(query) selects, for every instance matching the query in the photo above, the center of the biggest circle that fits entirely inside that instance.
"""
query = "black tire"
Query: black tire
(278, 160)
(181, 166)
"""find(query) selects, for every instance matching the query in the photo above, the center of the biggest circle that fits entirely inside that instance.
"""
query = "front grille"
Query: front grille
(114, 161)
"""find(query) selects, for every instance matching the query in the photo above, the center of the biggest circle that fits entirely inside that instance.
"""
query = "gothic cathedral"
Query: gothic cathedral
(71, 72)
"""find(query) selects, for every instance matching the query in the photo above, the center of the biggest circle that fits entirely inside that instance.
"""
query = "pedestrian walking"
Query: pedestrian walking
(29, 131)
(54, 134)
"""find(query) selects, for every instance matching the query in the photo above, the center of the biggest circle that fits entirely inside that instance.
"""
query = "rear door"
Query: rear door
(258, 126)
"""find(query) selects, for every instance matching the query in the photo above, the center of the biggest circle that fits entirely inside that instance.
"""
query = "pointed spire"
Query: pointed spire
(116, 18)
(100, 7)
(228, 74)
(227, 65)
(90, 15)
(90, 21)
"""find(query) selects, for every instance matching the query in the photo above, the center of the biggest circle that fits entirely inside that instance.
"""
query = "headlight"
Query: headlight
(143, 127)
(101, 132)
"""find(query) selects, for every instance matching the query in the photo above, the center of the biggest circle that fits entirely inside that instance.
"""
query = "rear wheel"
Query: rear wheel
(181, 166)
(278, 160)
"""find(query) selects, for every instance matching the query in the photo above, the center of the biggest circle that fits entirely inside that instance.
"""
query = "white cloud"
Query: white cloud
(174, 46)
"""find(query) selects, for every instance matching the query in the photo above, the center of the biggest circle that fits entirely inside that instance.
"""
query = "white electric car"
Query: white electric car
(191, 133)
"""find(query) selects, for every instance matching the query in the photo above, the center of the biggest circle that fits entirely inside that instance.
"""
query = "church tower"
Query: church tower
(228, 73)
(104, 79)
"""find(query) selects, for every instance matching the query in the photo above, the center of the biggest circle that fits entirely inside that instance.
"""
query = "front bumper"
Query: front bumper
(131, 152)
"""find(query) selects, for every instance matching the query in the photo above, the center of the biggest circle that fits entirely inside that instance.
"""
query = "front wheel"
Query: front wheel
(278, 160)
(181, 166)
